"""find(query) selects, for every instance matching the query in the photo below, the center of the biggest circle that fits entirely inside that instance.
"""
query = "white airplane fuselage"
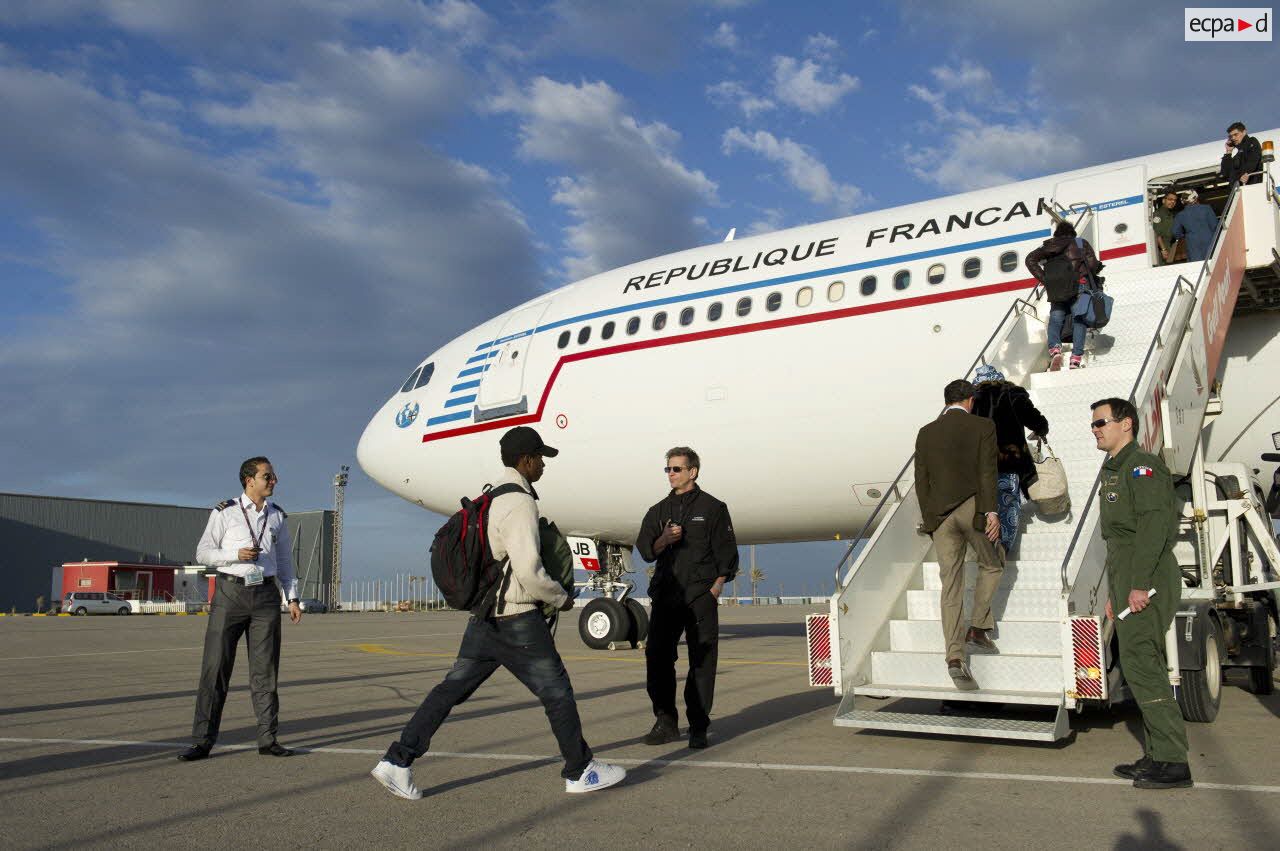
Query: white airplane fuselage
(803, 405)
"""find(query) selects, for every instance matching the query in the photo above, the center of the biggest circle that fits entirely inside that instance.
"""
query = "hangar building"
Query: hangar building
(39, 533)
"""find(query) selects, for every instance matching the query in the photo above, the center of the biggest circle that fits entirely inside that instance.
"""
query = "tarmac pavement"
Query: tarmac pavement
(93, 711)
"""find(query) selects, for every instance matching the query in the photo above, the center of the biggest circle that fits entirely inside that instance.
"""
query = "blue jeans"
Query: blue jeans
(524, 646)
(1009, 507)
(1058, 314)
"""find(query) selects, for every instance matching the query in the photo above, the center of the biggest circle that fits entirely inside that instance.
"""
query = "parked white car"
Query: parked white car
(95, 603)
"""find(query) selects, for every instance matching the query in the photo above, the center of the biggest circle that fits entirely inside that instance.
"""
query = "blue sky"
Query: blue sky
(232, 228)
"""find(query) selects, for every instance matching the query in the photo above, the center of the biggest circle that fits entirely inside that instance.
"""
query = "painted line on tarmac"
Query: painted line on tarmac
(384, 650)
(288, 643)
(686, 763)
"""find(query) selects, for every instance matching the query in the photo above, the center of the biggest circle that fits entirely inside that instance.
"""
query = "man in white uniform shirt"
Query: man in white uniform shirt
(247, 542)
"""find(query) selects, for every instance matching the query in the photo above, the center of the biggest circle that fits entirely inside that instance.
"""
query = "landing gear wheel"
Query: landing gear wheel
(1261, 679)
(1201, 692)
(603, 621)
(639, 622)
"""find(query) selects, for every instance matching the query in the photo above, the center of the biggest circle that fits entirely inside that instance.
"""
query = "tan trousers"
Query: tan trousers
(950, 540)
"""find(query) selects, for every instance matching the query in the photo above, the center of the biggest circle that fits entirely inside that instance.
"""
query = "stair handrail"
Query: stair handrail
(1157, 340)
(1018, 306)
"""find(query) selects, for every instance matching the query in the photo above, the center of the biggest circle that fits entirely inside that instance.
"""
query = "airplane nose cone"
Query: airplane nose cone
(374, 453)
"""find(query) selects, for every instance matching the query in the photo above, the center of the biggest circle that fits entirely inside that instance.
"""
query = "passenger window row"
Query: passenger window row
(971, 268)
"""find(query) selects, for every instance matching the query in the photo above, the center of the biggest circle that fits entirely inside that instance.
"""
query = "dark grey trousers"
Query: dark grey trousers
(236, 611)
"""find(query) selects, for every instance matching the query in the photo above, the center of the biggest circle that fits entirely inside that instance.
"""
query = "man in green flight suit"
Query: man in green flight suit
(1139, 522)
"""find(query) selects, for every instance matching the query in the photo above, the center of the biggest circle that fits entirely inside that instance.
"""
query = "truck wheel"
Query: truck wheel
(1201, 692)
(603, 620)
(1262, 680)
(639, 626)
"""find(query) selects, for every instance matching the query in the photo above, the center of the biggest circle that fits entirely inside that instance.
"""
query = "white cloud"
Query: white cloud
(724, 37)
(802, 169)
(800, 83)
(628, 194)
(465, 20)
(820, 47)
(733, 92)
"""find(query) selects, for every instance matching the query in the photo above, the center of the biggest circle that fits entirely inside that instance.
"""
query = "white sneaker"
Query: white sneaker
(398, 779)
(598, 775)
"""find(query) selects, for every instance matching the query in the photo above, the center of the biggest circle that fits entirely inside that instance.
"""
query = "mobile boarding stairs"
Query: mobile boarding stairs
(883, 637)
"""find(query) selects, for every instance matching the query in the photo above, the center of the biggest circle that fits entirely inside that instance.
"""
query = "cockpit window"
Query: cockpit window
(408, 382)
(425, 376)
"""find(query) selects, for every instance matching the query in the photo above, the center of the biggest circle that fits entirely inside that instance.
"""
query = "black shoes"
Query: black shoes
(195, 752)
(1164, 775)
(1130, 770)
(664, 731)
(698, 740)
(275, 749)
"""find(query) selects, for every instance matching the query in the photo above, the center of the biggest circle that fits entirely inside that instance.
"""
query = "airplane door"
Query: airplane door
(501, 391)
(1108, 209)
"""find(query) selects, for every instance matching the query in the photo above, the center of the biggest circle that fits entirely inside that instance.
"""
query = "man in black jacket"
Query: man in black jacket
(690, 535)
(1242, 163)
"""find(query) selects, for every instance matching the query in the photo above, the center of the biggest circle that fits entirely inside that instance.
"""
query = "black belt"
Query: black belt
(239, 580)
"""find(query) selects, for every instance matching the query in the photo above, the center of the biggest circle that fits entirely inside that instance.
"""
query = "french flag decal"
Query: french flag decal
(1139, 472)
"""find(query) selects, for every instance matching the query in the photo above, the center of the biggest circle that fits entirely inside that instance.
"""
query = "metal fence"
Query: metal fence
(402, 592)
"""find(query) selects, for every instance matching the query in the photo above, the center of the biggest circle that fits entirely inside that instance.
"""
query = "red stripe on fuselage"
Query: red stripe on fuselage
(731, 330)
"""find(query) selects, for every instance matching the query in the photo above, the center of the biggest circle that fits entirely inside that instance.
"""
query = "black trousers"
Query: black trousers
(239, 611)
(699, 623)
(523, 645)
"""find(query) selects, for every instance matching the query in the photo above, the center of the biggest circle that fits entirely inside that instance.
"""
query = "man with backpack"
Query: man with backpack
(507, 627)
(1065, 264)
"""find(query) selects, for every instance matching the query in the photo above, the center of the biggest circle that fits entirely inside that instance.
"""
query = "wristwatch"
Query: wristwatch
(293, 600)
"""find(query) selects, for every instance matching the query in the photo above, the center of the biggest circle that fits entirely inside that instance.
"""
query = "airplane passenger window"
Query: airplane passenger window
(835, 291)
(869, 285)
(584, 334)
(902, 279)
(972, 267)
(1008, 261)
(408, 382)
(936, 273)
(424, 376)
(686, 316)
(659, 320)
(607, 331)
(563, 341)
(744, 306)
(804, 296)
(773, 302)
(633, 325)
(714, 311)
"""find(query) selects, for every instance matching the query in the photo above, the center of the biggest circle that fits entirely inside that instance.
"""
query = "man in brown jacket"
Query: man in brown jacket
(956, 485)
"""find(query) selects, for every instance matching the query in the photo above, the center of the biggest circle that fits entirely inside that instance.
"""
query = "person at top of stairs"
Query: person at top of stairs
(1063, 264)
(955, 466)
(1011, 409)
(1139, 520)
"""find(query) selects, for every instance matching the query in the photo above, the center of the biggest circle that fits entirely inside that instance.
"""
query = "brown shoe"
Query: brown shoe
(977, 641)
(960, 676)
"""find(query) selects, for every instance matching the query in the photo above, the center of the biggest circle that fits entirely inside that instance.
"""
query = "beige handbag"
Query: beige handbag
(1050, 487)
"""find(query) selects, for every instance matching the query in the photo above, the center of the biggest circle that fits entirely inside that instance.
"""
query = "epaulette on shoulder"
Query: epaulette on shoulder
(226, 503)
(283, 513)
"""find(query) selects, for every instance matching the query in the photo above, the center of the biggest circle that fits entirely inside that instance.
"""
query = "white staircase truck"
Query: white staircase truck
(882, 638)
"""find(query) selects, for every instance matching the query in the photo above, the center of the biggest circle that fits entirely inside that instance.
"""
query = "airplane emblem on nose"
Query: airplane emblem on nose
(407, 415)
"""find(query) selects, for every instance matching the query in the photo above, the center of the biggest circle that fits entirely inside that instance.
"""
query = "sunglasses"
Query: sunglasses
(1100, 423)
(675, 469)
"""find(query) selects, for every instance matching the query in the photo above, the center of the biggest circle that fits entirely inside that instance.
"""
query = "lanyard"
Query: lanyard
(262, 533)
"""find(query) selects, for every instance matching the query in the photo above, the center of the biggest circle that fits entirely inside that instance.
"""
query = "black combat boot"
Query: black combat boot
(1132, 769)
(664, 731)
(1164, 775)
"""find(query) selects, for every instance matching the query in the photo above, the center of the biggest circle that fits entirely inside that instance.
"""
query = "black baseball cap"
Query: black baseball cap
(523, 440)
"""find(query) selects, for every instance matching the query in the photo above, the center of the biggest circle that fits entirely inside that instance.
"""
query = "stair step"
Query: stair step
(1024, 574)
(1030, 638)
(1053, 386)
(983, 726)
(1009, 604)
(950, 692)
(994, 673)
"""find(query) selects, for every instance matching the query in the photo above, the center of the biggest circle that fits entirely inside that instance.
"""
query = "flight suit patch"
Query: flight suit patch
(1111, 480)
(1112, 496)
